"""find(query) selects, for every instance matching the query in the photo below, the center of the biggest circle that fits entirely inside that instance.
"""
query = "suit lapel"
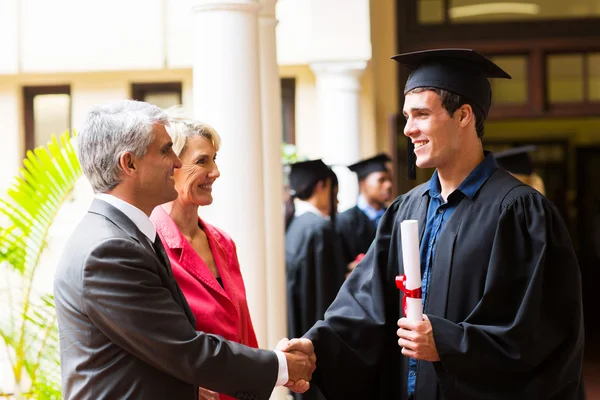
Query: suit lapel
(124, 223)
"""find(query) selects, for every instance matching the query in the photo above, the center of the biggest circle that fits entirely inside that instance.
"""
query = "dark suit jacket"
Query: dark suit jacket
(126, 331)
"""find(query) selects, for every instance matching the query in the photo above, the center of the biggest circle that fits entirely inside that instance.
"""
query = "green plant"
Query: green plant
(29, 331)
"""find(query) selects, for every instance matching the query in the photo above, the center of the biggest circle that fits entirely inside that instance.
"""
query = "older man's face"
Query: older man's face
(156, 169)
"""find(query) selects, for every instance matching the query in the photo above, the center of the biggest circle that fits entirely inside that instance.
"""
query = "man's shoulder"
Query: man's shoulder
(349, 215)
(94, 231)
(505, 189)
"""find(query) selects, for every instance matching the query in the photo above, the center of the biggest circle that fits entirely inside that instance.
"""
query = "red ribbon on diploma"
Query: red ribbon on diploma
(359, 258)
(412, 293)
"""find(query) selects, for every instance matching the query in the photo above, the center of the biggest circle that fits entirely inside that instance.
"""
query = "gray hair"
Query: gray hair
(109, 131)
(181, 128)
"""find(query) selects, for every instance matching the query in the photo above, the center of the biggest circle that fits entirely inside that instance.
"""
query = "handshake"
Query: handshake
(301, 363)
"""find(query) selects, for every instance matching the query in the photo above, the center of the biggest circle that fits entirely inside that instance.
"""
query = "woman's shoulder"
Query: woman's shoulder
(217, 233)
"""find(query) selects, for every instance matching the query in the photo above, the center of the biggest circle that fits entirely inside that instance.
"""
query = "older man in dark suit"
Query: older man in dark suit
(126, 331)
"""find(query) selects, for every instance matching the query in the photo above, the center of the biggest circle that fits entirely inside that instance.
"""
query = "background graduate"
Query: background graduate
(517, 161)
(357, 225)
(501, 284)
(313, 252)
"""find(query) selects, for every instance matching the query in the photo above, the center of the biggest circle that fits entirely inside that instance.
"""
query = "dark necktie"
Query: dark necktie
(160, 252)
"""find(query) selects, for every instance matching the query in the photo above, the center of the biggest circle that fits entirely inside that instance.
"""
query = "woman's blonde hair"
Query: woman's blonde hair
(181, 128)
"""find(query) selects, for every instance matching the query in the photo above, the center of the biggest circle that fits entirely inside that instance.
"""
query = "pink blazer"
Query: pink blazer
(221, 311)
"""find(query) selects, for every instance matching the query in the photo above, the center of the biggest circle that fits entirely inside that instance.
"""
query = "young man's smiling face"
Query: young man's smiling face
(432, 130)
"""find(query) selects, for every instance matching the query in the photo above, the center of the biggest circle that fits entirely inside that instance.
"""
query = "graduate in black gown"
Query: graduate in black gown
(517, 161)
(357, 225)
(313, 252)
(501, 284)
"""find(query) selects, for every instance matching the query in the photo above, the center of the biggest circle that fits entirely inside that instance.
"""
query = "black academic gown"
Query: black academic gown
(314, 275)
(504, 302)
(357, 232)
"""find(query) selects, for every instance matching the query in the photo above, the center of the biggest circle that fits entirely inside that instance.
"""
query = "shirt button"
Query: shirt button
(412, 373)
(440, 211)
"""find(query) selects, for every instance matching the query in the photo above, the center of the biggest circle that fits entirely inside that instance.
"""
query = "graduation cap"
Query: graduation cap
(374, 164)
(306, 173)
(516, 160)
(461, 71)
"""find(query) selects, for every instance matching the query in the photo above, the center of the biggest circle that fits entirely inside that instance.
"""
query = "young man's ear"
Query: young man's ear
(127, 163)
(465, 115)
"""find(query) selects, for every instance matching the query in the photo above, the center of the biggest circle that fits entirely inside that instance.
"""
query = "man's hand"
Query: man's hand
(303, 345)
(205, 394)
(416, 339)
(298, 348)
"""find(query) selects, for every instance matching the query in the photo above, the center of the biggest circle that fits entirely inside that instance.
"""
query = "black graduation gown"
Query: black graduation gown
(504, 303)
(357, 232)
(314, 276)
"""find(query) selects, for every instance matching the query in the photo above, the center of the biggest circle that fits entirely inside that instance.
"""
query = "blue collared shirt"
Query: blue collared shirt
(438, 214)
(371, 213)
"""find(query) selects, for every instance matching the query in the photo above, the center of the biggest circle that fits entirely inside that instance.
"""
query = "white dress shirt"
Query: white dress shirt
(145, 225)
(302, 207)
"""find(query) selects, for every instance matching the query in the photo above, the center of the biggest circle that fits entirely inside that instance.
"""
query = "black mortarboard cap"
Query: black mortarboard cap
(306, 173)
(461, 71)
(374, 164)
(516, 160)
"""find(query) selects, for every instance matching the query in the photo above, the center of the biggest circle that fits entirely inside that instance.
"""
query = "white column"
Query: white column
(273, 174)
(338, 91)
(227, 96)
(270, 88)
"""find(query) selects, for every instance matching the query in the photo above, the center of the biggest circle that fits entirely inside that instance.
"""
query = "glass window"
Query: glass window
(163, 99)
(510, 91)
(565, 78)
(163, 95)
(469, 11)
(288, 109)
(430, 11)
(593, 68)
(51, 115)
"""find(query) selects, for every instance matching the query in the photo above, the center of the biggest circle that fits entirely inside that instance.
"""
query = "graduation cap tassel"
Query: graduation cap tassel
(411, 160)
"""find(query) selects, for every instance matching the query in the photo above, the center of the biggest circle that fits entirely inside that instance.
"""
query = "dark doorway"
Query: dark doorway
(588, 232)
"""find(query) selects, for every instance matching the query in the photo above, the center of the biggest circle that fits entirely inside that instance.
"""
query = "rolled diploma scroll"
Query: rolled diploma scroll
(412, 266)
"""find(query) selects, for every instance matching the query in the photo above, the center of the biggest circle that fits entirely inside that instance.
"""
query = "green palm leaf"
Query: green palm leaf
(28, 210)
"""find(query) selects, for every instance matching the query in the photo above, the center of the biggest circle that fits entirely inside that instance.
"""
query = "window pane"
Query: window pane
(565, 78)
(430, 11)
(594, 76)
(51, 115)
(463, 11)
(510, 91)
(163, 99)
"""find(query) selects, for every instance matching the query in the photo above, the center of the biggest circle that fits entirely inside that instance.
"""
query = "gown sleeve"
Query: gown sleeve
(319, 280)
(352, 340)
(529, 319)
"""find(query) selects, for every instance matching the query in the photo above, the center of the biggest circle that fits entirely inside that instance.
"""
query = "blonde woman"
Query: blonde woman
(203, 257)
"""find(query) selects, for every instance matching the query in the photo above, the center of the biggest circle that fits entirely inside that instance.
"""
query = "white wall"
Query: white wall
(178, 34)
(11, 139)
(8, 37)
(322, 30)
(84, 35)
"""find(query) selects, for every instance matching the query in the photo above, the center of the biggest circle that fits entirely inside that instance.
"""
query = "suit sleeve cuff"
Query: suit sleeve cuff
(282, 375)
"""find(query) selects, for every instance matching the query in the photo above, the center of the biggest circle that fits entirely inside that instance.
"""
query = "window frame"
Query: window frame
(288, 104)
(407, 17)
(139, 90)
(29, 93)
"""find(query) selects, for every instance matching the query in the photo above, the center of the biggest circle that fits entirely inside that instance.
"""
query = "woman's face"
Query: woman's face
(199, 171)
